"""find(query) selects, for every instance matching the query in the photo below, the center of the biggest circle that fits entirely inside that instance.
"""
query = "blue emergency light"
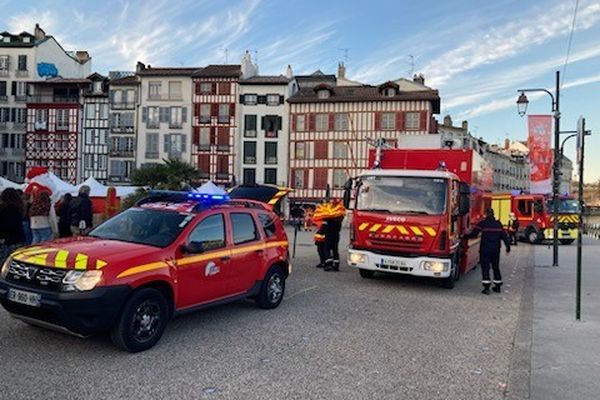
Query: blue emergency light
(217, 198)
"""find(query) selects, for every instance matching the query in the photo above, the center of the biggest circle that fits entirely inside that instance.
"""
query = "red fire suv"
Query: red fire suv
(173, 252)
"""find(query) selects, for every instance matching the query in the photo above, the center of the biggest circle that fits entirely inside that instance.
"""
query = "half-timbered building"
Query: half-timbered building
(94, 142)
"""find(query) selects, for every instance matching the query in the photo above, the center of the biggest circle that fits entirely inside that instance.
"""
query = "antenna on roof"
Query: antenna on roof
(226, 51)
(345, 51)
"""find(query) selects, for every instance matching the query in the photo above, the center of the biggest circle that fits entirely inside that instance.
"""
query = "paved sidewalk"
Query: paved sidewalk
(565, 353)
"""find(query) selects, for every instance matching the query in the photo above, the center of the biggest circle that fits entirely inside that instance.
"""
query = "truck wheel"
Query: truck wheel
(142, 321)
(532, 236)
(366, 273)
(450, 281)
(272, 289)
(566, 241)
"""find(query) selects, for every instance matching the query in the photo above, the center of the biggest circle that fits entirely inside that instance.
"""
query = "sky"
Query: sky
(476, 54)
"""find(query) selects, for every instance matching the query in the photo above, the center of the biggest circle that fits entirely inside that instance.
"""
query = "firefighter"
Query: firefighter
(320, 242)
(492, 233)
(513, 228)
(334, 219)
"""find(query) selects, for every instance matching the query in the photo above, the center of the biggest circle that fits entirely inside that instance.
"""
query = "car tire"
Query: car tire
(450, 281)
(272, 289)
(366, 273)
(142, 321)
(533, 236)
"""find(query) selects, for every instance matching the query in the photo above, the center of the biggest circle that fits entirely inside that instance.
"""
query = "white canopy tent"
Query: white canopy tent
(5, 184)
(210, 188)
(96, 188)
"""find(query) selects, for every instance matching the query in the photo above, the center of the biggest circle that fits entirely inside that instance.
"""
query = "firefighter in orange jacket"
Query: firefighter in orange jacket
(334, 220)
(320, 242)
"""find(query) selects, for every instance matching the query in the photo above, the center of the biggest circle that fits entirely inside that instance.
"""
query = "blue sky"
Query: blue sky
(477, 55)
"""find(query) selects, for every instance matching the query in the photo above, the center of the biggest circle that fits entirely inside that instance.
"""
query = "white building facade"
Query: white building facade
(94, 143)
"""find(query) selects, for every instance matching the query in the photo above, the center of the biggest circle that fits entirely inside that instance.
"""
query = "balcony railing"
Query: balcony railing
(124, 153)
(223, 119)
(20, 97)
(122, 106)
(270, 160)
(122, 129)
(151, 154)
(52, 99)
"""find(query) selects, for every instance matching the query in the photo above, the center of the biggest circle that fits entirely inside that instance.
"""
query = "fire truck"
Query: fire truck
(534, 213)
(410, 210)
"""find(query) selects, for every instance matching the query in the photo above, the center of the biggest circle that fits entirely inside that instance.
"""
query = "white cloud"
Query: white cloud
(26, 21)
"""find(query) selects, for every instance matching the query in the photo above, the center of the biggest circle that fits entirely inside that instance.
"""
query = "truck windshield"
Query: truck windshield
(137, 225)
(565, 206)
(402, 195)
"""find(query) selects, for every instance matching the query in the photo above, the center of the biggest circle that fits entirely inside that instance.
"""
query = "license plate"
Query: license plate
(27, 298)
(393, 262)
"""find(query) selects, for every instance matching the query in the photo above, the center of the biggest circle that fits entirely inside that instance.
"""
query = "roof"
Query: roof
(60, 80)
(219, 70)
(125, 81)
(363, 93)
(266, 80)
(96, 76)
(409, 172)
(183, 71)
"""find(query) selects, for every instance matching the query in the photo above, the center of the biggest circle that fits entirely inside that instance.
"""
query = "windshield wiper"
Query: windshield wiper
(384, 210)
(415, 212)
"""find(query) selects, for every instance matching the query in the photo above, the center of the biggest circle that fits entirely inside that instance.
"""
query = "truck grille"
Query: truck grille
(35, 276)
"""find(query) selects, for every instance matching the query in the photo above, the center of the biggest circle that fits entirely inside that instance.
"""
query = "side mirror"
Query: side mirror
(347, 193)
(464, 200)
(194, 248)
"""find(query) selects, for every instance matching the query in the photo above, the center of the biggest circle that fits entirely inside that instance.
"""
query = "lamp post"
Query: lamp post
(522, 104)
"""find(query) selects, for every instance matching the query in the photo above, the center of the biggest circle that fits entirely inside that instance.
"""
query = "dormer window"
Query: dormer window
(98, 87)
(6, 39)
(389, 92)
(323, 93)
(26, 39)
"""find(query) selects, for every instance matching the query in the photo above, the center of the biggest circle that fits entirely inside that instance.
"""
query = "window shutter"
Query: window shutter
(305, 183)
(433, 127)
(261, 99)
(197, 110)
(167, 144)
(197, 88)
(331, 121)
(183, 114)
(279, 123)
(183, 143)
(213, 88)
(196, 135)
(13, 115)
(312, 121)
(213, 135)
(214, 109)
(293, 117)
(111, 121)
(144, 114)
(232, 109)
(320, 178)
(321, 149)
(14, 88)
(281, 99)
(165, 114)
(241, 99)
(423, 121)
(377, 117)
(400, 121)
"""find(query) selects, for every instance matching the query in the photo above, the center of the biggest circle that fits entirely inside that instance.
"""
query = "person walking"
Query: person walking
(335, 217)
(513, 228)
(12, 235)
(39, 216)
(492, 234)
(81, 212)
(64, 215)
(319, 236)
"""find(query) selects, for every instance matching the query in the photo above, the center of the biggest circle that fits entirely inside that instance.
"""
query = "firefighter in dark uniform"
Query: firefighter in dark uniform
(320, 241)
(492, 234)
(333, 223)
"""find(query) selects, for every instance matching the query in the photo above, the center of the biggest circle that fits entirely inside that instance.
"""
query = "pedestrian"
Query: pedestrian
(334, 219)
(81, 212)
(41, 229)
(319, 237)
(11, 224)
(492, 234)
(308, 219)
(513, 228)
(26, 223)
(64, 215)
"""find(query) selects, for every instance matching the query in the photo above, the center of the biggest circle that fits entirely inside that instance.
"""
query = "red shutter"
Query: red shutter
(320, 149)
(232, 109)
(331, 121)
(320, 178)
(204, 163)
(223, 136)
(214, 110)
(377, 117)
(213, 135)
(423, 121)
(293, 116)
(196, 136)
(197, 110)
(305, 183)
(312, 122)
(213, 88)
(433, 125)
(400, 121)
(292, 178)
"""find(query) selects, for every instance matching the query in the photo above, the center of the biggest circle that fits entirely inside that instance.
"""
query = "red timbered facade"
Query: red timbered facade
(331, 128)
(216, 92)
(54, 126)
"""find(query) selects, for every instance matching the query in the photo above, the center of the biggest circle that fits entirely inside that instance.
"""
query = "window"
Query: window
(250, 125)
(271, 176)
(268, 224)
(3, 89)
(389, 92)
(341, 122)
(103, 111)
(204, 113)
(412, 121)
(89, 136)
(90, 111)
(174, 90)
(130, 97)
(224, 88)
(300, 123)
(21, 116)
(271, 124)
(153, 117)
(244, 229)
(97, 87)
(249, 176)
(322, 122)
(339, 178)
(210, 232)
(223, 113)
(205, 88)
(4, 63)
(22, 63)
(250, 99)
(204, 140)
(300, 150)
(323, 94)
(270, 152)
(62, 120)
(152, 145)
(20, 90)
(524, 206)
(299, 180)
(154, 90)
(388, 121)
(175, 120)
(249, 152)
(272, 99)
(340, 150)
(175, 145)
(223, 139)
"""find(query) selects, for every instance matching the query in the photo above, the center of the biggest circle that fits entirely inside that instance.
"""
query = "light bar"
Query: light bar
(208, 197)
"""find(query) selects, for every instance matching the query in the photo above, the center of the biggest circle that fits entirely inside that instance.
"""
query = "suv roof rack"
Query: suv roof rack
(204, 200)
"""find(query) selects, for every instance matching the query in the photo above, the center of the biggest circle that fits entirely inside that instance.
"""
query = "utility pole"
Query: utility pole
(556, 173)
(580, 155)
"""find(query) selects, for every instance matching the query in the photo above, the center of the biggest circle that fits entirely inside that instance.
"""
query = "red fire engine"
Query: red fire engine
(409, 214)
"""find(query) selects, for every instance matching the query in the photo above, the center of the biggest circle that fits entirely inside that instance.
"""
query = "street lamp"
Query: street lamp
(522, 103)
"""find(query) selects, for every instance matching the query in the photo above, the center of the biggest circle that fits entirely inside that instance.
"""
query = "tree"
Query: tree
(172, 175)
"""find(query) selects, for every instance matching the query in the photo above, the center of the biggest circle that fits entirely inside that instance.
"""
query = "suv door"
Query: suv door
(248, 250)
(203, 276)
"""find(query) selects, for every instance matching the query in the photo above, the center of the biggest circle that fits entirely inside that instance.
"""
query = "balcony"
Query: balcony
(125, 153)
(271, 160)
(123, 106)
(204, 147)
(20, 97)
(121, 129)
(52, 99)
(249, 160)
(223, 119)
(205, 119)
(151, 154)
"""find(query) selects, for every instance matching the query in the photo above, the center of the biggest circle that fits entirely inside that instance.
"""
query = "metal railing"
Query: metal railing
(52, 99)
(122, 105)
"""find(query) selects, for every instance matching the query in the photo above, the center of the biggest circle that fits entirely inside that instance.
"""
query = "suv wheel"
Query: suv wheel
(272, 289)
(450, 281)
(142, 321)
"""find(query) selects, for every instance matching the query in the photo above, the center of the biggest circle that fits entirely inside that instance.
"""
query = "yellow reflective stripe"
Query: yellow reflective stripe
(22, 256)
(402, 229)
(39, 259)
(430, 230)
(25, 250)
(363, 226)
(100, 264)
(388, 229)
(60, 260)
(375, 227)
(277, 196)
(416, 230)
(81, 261)
(202, 257)
(142, 268)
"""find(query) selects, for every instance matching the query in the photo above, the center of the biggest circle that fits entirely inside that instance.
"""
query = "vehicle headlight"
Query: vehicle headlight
(435, 266)
(81, 280)
(358, 258)
(5, 266)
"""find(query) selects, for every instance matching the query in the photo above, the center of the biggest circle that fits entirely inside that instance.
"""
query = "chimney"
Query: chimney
(82, 56)
(288, 72)
(140, 66)
(419, 78)
(448, 120)
(465, 125)
(506, 144)
(39, 32)
(341, 73)
(248, 69)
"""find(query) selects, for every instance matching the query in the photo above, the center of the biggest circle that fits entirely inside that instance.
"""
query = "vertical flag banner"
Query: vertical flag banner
(540, 153)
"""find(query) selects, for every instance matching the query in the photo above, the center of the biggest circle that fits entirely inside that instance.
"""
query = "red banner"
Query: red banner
(540, 153)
